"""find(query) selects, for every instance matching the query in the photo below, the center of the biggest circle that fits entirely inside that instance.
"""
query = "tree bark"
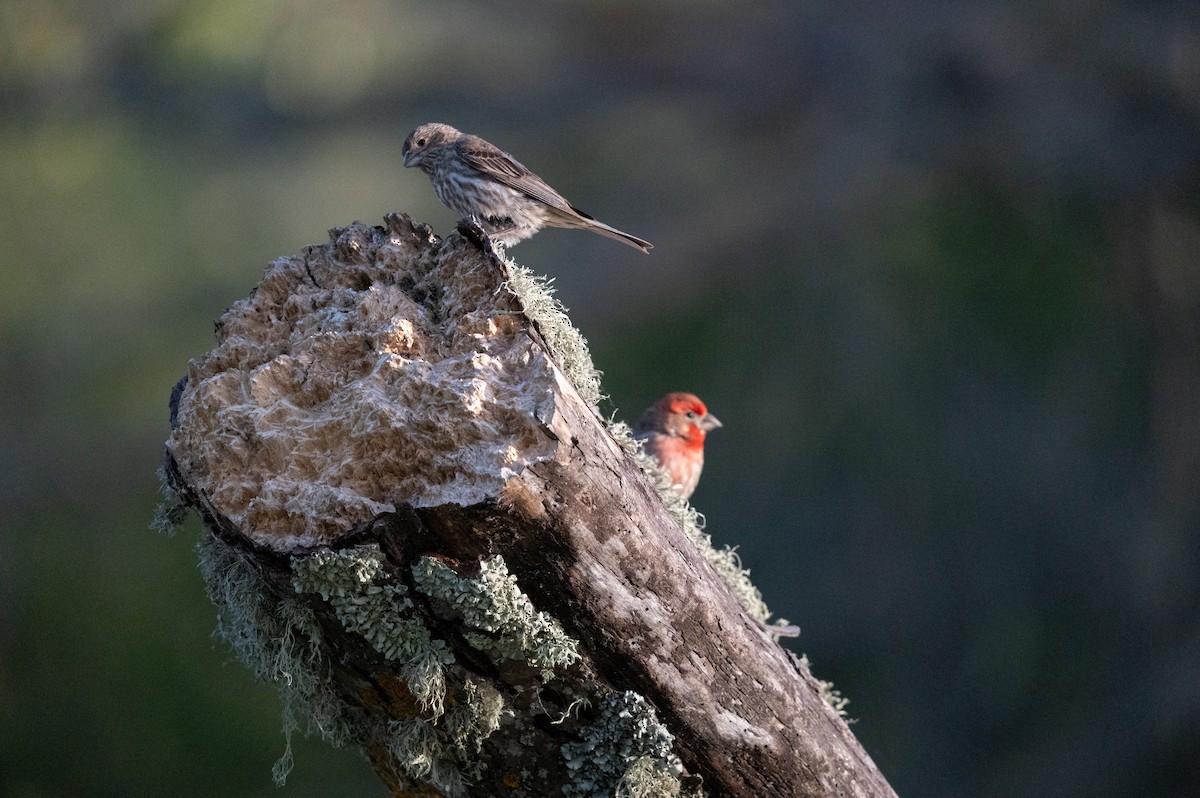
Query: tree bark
(424, 533)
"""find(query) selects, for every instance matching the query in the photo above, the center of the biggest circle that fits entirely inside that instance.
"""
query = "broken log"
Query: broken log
(421, 530)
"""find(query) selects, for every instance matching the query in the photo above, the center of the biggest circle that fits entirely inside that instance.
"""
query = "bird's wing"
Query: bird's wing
(499, 165)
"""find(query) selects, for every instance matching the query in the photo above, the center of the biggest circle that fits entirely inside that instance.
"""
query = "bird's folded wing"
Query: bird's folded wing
(501, 166)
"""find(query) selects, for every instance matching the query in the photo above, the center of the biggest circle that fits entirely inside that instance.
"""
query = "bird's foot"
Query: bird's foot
(473, 230)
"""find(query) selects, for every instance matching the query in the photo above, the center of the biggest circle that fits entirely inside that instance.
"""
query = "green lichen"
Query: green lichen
(646, 778)
(498, 618)
(443, 747)
(725, 560)
(367, 602)
(475, 714)
(414, 745)
(567, 344)
(446, 752)
(279, 642)
(625, 752)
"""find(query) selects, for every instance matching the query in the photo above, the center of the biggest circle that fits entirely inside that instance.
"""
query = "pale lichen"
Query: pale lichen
(280, 643)
(830, 694)
(414, 746)
(646, 778)
(626, 751)
(474, 715)
(170, 513)
(496, 616)
(443, 746)
(446, 752)
(368, 603)
(566, 342)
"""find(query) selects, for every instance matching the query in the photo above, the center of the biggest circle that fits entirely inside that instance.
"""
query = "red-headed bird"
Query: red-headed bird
(673, 431)
(474, 178)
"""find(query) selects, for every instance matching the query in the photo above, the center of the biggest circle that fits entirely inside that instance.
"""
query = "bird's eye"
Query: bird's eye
(420, 142)
(691, 414)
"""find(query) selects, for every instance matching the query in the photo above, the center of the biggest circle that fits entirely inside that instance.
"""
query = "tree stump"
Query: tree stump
(421, 530)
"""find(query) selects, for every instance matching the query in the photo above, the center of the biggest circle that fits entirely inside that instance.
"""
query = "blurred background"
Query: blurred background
(936, 266)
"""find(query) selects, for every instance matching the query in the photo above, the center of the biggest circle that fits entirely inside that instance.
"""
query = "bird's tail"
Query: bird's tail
(588, 222)
(612, 232)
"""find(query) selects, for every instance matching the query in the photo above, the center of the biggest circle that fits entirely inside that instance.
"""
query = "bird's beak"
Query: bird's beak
(709, 422)
(410, 159)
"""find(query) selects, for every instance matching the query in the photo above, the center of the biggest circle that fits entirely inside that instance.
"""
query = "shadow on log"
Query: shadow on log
(420, 530)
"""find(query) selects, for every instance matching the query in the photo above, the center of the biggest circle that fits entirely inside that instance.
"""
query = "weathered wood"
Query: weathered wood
(643, 674)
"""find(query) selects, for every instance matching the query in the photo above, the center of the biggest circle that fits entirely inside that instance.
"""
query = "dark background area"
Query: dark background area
(935, 265)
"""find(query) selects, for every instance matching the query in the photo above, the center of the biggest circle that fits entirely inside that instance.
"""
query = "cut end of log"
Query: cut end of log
(383, 368)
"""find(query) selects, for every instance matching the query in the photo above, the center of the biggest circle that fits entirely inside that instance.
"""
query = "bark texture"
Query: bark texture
(422, 531)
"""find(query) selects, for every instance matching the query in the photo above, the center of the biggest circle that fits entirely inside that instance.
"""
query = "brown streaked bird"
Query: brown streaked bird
(672, 431)
(475, 178)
